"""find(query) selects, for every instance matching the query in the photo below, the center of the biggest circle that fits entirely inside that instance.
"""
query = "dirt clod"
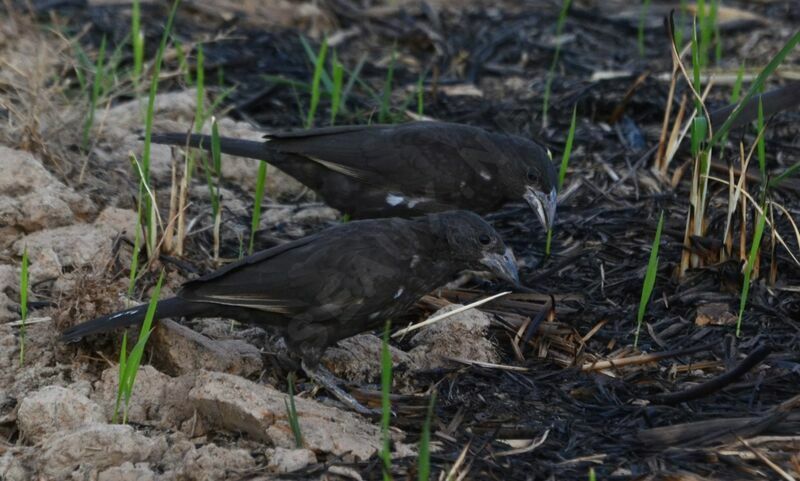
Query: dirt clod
(181, 350)
(282, 460)
(461, 336)
(55, 408)
(237, 405)
(98, 446)
(215, 463)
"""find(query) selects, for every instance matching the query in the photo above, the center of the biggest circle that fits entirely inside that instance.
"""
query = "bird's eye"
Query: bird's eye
(531, 175)
(485, 239)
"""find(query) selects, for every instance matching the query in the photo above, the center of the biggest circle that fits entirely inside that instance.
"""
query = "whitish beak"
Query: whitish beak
(503, 265)
(543, 204)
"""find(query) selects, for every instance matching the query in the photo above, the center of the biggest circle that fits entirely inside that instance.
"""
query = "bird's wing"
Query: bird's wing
(340, 271)
(422, 159)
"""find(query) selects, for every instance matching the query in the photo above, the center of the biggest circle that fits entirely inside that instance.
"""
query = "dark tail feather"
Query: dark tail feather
(773, 102)
(174, 307)
(242, 148)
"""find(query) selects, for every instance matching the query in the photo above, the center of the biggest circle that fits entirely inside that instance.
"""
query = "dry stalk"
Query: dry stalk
(773, 267)
(169, 233)
(747, 197)
(734, 192)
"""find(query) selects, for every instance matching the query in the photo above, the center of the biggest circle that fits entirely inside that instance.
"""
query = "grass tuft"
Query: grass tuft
(649, 279)
(149, 207)
(129, 364)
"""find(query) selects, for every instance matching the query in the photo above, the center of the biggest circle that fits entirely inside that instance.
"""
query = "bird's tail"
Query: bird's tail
(174, 307)
(251, 149)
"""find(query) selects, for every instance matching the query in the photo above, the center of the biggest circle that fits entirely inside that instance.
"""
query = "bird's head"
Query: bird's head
(531, 175)
(476, 244)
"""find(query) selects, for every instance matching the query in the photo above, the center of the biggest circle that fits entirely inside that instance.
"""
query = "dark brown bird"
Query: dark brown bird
(370, 171)
(332, 285)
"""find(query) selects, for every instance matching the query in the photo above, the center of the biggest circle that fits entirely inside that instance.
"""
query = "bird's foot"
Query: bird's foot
(330, 382)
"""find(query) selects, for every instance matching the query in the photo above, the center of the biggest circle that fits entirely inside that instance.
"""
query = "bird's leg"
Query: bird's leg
(325, 378)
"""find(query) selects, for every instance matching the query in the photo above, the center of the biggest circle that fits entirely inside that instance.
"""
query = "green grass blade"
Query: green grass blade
(383, 115)
(84, 65)
(786, 174)
(424, 460)
(148, 128)
(642, 18)
(297, 84)
(697, 64)
(649, 279)
(386, 403)
(761, 146)
(319, 69)
(216, 148)
(705, 34)
(134, 360)
(200, 86)
(680, 25)
(314, 58)
(748, 271)
(149, 209)
(23, 303)
(256, 220)
(757, 86)
(123, 361)
(737, 85)
(562, 172)
(562, 18)
(716, 29)
(183, 62)
(353, 78)
(137, 41)
(291, 412)
(23, 283)
(215, 169)
(548, 242)
(97, 83)
(110, 70)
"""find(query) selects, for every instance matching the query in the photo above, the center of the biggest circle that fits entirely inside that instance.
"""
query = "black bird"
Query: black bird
(332, 285)
(370, 171)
